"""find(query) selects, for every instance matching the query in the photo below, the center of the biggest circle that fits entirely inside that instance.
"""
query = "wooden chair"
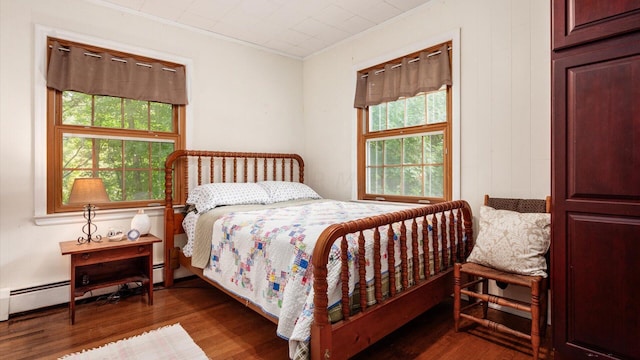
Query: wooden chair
(476, 274)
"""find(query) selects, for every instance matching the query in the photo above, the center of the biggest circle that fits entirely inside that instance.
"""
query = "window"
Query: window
(404, 144)
(124, 141)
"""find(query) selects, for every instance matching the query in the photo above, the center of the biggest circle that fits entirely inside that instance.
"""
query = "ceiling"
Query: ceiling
(297, 28)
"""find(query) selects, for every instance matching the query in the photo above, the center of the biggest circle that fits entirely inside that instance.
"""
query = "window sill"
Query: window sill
(389, 202)
(76, 217)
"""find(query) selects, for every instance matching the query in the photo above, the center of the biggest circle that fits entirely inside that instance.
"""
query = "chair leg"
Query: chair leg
(456, 296)
(544, 301)
(535, 319)
(485, 304)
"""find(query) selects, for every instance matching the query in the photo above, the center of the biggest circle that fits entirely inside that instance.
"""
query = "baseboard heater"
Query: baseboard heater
(46, 295)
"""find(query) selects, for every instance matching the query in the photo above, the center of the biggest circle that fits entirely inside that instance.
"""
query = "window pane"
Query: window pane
(378, 117)
(159, 153)
(161, 117)
(158, 184)
(136, 154)
(137, 185)
(437, 107)
(109, 153)
(374, 153)
(67, 182)
(374, 180)
(434, 149)
(108, 112)
(136, 114)
(76, 152)
(392, 181)
(412, 150)
(113, 183)
(396, 114)
(76, 108)
(415, 110)
(434, 181)
(113, 157)
(412, 180)
(392, 151)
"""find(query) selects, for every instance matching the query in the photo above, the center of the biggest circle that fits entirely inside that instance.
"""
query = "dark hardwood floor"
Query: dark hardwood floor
(225, 329)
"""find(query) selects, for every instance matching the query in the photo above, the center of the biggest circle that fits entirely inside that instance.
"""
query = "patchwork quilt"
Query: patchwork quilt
(264, 256)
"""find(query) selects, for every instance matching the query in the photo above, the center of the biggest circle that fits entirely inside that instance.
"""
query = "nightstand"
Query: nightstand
(97, 265)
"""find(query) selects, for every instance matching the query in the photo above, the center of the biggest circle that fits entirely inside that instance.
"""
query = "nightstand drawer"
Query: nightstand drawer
(94, 257)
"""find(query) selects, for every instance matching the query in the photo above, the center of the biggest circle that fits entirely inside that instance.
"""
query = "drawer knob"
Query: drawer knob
(140, 249)
(86, 256)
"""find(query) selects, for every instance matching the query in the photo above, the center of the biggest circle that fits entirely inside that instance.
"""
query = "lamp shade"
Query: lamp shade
(88, 191)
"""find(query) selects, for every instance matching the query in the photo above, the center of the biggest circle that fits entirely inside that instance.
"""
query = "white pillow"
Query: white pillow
(208, 196)
(285, 190)
(513, 242)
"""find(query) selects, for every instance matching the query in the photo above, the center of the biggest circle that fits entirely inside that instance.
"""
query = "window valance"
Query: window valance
(428, 72)
(102, 73)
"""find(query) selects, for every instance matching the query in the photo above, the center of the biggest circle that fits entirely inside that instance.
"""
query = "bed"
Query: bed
(342, 276)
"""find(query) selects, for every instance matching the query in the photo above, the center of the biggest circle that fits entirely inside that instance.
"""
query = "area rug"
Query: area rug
(168, 342)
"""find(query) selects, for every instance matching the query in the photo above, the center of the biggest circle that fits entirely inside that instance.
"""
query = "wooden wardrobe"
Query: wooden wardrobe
(595, 146)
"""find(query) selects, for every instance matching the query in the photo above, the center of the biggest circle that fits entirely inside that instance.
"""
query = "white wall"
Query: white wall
(504, 106)
(504, 95)
(504, 98)
(241, 98)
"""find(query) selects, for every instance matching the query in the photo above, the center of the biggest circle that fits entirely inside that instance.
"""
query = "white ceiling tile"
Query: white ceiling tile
(259, 8)
(310, 26)
(197, 21)
(295, 27)
(379, 12)
(356, 6)
(355, 25)
(167, 9)
(131, 4)
(316, 43)
(213, 9)
(333, 15)
(405, 5)
(292, 37)
(333, 35)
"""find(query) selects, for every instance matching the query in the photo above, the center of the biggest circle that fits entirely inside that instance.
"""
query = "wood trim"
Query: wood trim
(55, 131)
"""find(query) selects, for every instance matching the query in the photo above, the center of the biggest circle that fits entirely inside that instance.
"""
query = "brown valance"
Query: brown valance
(428, 72)
(101, 73)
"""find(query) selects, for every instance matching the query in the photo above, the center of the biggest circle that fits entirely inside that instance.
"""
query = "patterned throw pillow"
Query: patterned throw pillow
(512, 241)
(285, 190)
(208, 196)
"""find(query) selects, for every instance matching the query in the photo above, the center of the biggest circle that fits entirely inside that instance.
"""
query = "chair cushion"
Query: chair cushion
(513, 242)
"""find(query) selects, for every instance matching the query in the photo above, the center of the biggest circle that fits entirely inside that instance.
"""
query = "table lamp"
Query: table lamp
(88, 191)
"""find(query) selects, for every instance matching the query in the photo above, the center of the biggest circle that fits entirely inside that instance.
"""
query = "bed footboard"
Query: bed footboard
(447, 223)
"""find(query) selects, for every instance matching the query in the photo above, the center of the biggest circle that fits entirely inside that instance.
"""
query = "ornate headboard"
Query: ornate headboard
(185, 169)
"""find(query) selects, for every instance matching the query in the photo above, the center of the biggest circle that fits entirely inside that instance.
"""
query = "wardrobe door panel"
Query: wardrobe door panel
(602, 313)
(580, 21)
(595, 189)
(604, 110)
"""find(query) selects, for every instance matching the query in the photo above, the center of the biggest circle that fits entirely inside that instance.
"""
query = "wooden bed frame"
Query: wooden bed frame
(344, 338)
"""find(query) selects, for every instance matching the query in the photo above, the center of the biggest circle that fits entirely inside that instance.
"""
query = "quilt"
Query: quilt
(264, 256)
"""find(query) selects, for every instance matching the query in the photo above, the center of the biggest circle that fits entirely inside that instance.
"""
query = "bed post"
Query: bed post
(169, 219)
(321, 330)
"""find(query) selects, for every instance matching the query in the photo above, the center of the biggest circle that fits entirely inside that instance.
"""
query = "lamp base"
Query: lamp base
(89, 228)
